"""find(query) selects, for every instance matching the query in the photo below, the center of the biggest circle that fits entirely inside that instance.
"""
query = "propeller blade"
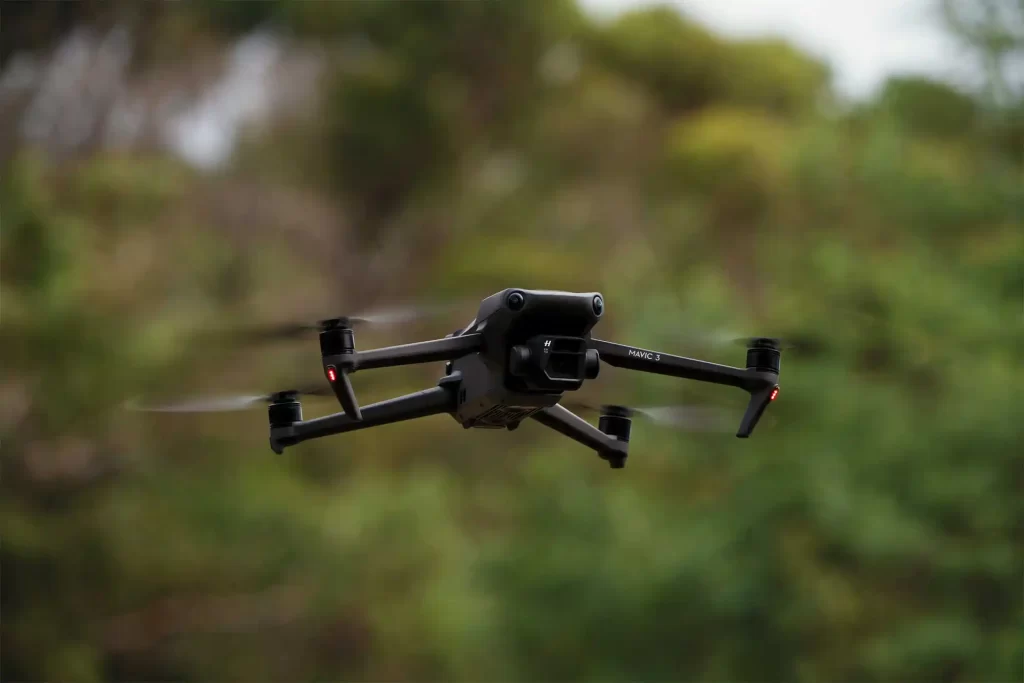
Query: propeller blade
(219, 404)
(690, 418)
(400, 315)
(281, 332)
(801, 344)
(810, 336)
(297, 330)
(200, 405)
(781, 343)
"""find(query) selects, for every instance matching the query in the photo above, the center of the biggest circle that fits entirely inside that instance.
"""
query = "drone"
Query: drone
(515, 361)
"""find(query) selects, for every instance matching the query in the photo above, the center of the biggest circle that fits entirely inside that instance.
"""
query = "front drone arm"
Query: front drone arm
(340, 359)
(632, 358)
(761, 384)
(449, 348)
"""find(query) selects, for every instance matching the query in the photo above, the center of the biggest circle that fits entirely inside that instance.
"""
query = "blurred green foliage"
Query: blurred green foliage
(773, 75)
(926, 107)
(681, 62)
(875, 533)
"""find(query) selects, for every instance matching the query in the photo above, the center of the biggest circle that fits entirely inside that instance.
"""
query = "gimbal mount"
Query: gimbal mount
(513, 362)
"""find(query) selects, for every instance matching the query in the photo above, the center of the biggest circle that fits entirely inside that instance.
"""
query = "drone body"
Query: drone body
(514, 362)
(533, 348)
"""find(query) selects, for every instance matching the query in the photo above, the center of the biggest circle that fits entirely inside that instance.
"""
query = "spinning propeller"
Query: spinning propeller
(220, 404)
(335, 338)
(681, 417)
(811, 333)
(791, 344)
(276, 332)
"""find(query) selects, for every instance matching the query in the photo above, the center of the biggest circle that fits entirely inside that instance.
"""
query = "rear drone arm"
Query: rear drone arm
(340, 359)
(434, 401)
(564, 421)
(761, 384)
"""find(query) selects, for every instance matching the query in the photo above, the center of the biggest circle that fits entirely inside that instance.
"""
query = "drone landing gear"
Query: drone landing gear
(610, 439)
(338, 349)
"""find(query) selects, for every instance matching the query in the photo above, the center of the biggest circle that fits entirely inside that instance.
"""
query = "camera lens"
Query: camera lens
(598, 305)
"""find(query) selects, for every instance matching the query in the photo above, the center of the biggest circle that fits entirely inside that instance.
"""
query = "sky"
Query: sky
(864, 40)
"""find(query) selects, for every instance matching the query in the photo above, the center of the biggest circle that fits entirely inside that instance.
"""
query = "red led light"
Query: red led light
(332, 375)
(775, 392)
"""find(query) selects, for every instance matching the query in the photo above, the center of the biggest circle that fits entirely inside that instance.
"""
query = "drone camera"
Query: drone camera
(563, 357)
(553, 363)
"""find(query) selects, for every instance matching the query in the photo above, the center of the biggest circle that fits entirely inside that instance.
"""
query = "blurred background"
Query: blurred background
(848, 174)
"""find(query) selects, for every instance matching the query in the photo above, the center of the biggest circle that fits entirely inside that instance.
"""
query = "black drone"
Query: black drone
(513, 362)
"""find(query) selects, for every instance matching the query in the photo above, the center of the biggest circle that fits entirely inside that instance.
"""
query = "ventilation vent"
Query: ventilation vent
(499, 416)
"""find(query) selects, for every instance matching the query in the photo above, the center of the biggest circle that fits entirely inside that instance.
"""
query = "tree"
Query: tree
(994, 29)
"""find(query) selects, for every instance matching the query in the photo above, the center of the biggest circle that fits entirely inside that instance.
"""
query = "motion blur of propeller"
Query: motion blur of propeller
(688, 418)
(793, 343)
(812, 333)
(218, 404)
(298, 330)
(802, 345)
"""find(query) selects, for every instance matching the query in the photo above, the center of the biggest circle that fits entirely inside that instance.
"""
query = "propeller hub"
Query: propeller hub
(616, 411)
(342, 323)
(765, 343)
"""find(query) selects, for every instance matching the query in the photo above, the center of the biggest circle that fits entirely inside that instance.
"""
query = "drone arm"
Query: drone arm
(432, 351)
(762, 385)
(633, 358)
(434, 401)
(565, 422)
(343, 360)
